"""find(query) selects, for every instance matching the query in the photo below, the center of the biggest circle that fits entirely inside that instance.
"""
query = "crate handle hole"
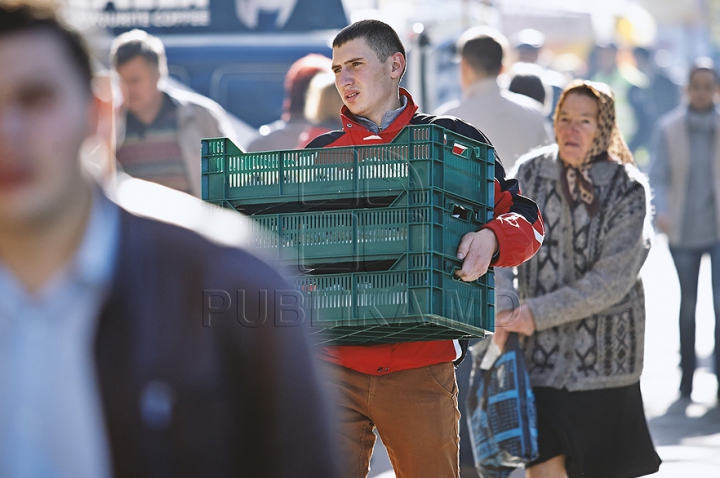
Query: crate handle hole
(455, 277)
(461, 213)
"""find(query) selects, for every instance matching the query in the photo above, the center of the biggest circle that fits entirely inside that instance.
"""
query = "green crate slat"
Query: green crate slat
(416, 299)
(419, 221)
(420, 157)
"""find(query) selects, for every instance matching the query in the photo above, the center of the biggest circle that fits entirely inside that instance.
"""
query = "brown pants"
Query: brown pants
(416, 415)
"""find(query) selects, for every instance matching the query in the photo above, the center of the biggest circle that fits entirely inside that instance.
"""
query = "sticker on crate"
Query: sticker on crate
(459, 149)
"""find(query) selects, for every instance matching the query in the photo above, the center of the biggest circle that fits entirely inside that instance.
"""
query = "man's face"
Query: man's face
(140, 80)
(576, 128)
(46, 112)
(367, 85)
(702, 89)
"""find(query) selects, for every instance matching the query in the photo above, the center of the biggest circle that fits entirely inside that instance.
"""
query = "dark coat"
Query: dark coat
(184, 399)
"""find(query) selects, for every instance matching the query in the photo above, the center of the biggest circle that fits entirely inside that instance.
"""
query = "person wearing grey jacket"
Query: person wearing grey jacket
(581, 309)
(685, 176)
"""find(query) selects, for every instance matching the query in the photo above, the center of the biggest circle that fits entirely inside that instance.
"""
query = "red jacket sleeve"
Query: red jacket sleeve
(517, 222)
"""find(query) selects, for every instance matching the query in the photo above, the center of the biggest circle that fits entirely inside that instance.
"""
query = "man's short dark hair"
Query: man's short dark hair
(483, 48)
(703, 63)
(379, 36)
(138, 43)
(18, 16)
(528, 85)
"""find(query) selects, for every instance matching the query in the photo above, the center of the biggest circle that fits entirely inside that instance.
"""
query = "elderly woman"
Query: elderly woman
(581, 311)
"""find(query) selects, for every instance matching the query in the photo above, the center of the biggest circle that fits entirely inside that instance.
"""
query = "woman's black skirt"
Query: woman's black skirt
(602, 433)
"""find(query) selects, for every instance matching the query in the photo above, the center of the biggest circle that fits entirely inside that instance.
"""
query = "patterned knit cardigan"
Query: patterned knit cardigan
(583, 286)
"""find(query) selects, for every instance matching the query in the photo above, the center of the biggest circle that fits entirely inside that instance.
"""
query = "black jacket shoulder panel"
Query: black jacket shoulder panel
(325, 139)
(453, 124)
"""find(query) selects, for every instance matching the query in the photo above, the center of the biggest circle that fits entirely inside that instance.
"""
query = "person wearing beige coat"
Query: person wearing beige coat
(514, 123)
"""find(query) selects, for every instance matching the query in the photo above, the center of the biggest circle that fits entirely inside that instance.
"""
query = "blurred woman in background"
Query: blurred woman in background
(322, 108)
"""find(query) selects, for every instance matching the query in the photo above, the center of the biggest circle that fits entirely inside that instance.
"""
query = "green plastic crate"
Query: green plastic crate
(417, 299)
(419, 221)
(420, 157)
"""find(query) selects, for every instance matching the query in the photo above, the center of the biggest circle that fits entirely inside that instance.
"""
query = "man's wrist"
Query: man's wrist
(496, 245)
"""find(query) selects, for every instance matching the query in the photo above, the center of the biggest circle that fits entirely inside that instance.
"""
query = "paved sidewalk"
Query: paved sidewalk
(686, 432)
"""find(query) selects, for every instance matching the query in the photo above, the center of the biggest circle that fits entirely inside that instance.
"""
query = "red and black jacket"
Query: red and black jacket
(517, 224)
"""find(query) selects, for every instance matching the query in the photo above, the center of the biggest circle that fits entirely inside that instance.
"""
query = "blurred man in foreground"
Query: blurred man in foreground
(105, 366)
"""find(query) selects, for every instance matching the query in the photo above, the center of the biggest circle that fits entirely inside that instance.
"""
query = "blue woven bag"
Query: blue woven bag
(501, 411)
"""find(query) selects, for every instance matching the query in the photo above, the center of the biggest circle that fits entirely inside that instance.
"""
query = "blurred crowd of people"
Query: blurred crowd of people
(161, 122)
(518, 87)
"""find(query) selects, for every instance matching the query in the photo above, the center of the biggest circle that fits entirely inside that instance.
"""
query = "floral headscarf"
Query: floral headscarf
(607, 144)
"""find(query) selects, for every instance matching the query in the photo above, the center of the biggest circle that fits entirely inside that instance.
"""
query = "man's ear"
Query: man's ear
(397, 65)
(465, 73)
(100, 157)
(108, 100)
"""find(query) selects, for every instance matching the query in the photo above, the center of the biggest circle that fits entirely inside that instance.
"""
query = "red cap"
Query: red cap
(298, 79)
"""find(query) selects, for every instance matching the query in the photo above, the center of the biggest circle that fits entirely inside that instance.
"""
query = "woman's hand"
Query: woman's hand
(501, 334)
(518, 320)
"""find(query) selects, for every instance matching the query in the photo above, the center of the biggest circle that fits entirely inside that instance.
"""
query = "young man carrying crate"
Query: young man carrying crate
(408, 390)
